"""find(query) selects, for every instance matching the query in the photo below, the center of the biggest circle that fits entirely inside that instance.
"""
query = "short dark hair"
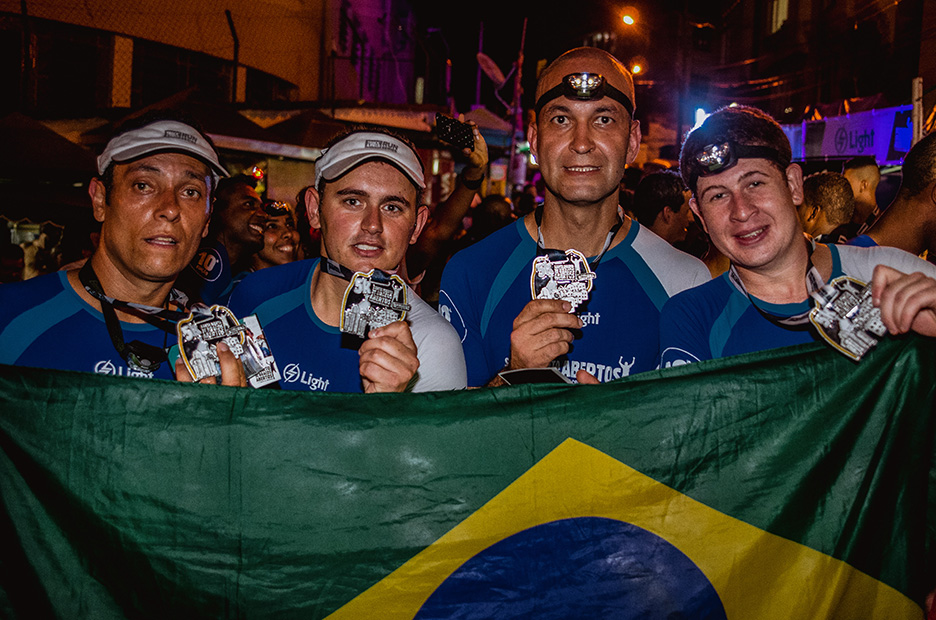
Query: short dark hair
(372, 129)
(742, 125)
(229, 183)
(219, 204)
(147, 118)
(832, 194)
(861, 161)
(919, 167)
(655, 192)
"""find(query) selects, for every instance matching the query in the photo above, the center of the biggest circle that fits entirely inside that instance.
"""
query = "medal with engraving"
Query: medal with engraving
(373, 299)
(562, 275)
(200, 333)
(846, 318)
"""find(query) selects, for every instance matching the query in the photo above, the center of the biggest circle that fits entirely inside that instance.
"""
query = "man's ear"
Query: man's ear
(422, 216)
(531, 138)
(794, 177)
(312, 207)
(98, 195)
(633, 144)
(698, 214)
(667, 214)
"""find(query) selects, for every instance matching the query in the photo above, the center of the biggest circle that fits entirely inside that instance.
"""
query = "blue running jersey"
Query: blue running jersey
(485, 286)
(717, 320)
(45, 324)
(312, 355)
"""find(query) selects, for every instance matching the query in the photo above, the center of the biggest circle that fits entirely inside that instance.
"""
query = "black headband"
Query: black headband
(584, 87)
(715, 158)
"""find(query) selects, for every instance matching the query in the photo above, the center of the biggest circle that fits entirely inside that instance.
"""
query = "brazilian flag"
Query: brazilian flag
(791, 483)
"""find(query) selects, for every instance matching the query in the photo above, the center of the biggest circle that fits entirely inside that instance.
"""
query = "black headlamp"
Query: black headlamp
(584, 87)
(715, 158)
(276, 208)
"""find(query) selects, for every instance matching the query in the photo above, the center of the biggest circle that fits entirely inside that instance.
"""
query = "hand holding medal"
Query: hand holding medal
(206, 328)
(562, 275)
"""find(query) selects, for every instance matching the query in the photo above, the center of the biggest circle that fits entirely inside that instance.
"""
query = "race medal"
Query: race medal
(562, 275)
(845, 317)
(372, 300)
(200, 333)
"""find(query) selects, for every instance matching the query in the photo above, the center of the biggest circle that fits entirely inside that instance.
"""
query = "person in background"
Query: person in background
(234, 236)
(422, 268)
(827, 208)
(661, 203)
(909, 223)
(280, 237)
(865, 176)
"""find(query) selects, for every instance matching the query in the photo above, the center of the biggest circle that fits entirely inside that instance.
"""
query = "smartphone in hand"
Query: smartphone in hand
(454, 132)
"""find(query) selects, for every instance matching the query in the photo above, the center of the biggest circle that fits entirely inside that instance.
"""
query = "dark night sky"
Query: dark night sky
(552, 28)
(549, 32)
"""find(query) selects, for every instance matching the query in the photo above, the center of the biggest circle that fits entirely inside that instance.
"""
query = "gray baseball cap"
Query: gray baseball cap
(363, 146)
(160, 137)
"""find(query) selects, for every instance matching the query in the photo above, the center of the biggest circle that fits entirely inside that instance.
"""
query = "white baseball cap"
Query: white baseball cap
(362, 146)
(160, 137)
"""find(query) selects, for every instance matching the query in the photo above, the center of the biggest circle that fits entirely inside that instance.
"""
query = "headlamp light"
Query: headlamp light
(715, 158)
(584, 87)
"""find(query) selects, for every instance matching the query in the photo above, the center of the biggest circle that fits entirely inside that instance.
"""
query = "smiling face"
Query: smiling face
(154, 216)
(280, 243)
(368, 217)
(582, 147)
(240, 215)
(749, 211)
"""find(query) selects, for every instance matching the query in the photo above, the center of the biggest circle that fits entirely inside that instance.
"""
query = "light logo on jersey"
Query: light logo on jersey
(674, 356)
(451, 314)
(292, 373)
(590, 318)
(107, 367)
(602, 372)
(208, 264)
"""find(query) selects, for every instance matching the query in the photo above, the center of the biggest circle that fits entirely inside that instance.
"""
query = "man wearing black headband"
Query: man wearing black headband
(116, 314)
(583, 137)
(745, 191)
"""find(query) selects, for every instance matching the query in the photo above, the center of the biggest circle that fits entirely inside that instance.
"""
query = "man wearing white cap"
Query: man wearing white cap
(116, 315)
(366, 201)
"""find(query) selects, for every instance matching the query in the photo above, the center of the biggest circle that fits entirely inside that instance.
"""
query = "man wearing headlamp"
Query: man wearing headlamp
(583, 137)
(744, 192)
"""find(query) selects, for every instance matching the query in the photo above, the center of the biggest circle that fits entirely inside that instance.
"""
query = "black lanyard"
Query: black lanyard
(542, 250)
(138, 355)
(334, 268)
(814, 283)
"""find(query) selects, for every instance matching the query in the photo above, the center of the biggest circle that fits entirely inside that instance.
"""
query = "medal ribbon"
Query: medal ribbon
(814, 282)
(138, 355)
(334, 268)
(556, 255)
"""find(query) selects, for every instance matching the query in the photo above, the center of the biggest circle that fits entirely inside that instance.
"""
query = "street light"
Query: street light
(638, 65)
(630, 15)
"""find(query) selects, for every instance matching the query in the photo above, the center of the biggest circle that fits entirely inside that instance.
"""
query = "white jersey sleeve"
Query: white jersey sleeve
(438, 347)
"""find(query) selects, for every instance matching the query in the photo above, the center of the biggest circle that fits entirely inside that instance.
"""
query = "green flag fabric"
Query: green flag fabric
(791, 483)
